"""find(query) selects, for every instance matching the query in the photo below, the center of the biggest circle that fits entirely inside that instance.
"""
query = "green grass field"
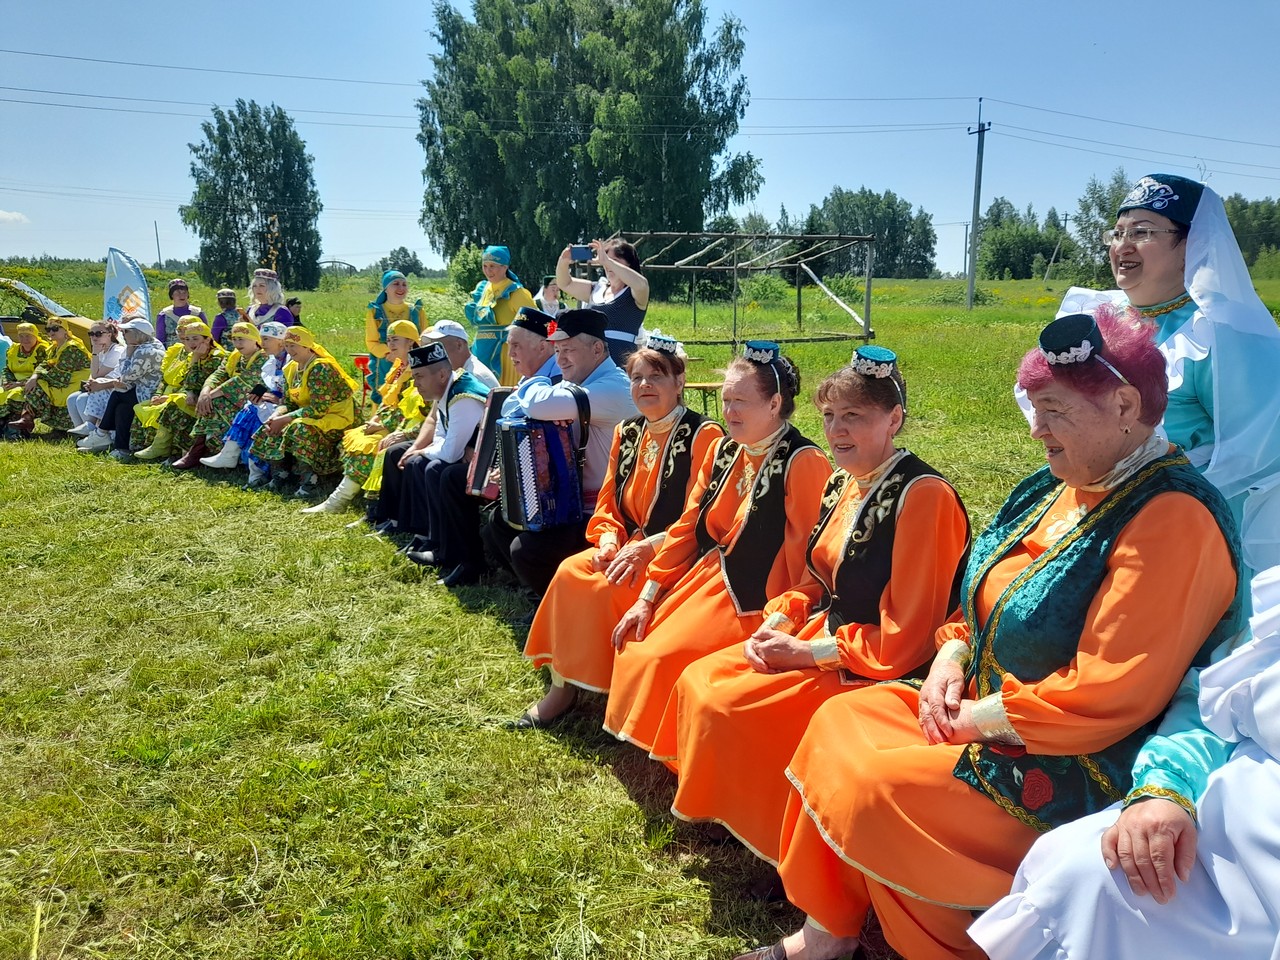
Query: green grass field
(230, 731)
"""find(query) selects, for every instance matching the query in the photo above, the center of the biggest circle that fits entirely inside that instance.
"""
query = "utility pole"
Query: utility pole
(1056, 247)
(966, 249)
(159, 262)
(981, 131)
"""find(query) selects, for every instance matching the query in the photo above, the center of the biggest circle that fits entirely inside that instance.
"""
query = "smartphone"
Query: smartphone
(580, 253)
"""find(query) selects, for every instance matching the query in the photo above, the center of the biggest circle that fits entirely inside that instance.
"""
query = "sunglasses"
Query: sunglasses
(99, 333)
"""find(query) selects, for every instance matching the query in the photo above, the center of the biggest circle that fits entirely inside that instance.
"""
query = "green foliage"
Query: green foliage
(1095, 211)
(557, 121)
(1015, 246)
(1256, 224)
(956, 295)
(905, 241)
(464, 269)
(1267, 264)
(402, 259)
(766, 288)
(255, 202)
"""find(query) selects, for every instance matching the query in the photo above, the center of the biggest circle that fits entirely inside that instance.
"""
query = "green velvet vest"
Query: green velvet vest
(1034, 630)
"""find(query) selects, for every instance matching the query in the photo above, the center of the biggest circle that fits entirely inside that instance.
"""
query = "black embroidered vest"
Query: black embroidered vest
(746, 561)
(673, 485)
(864, 571)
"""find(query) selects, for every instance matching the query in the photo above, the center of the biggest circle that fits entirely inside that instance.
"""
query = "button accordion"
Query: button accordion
(541, 469)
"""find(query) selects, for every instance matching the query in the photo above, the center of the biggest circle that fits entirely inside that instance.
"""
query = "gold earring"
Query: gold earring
(1126, 429)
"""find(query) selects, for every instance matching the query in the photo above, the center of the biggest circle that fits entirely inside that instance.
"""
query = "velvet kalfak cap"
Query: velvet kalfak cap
(1166, 194)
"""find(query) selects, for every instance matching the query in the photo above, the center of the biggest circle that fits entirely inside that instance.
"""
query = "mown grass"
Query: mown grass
(229, 731)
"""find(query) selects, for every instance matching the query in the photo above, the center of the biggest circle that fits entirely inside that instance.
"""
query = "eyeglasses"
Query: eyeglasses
(99, 333)
(1113, 238)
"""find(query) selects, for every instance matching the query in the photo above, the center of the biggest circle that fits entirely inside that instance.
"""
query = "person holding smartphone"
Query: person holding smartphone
(622, 294)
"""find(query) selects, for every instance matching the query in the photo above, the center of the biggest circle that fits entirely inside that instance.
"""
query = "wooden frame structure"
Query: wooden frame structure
(739, 252)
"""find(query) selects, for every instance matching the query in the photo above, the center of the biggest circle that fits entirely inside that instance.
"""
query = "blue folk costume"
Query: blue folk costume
(377, 321)
(491, 310)
(1222, 351)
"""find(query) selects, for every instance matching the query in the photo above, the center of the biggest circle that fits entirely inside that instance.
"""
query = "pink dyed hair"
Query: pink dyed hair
(1130, 348)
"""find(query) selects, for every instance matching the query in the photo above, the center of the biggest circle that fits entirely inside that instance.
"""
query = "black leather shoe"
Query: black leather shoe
(463, 575)
(423, 558)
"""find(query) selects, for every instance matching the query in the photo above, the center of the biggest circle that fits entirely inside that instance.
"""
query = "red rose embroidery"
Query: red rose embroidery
(551, 328)
(1037, 789)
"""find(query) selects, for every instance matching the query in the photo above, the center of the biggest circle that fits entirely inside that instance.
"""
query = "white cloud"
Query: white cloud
(12, 216)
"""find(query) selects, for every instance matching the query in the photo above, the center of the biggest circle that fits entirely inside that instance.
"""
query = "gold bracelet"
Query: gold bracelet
(609, 539)
(826, 654)
(957, 651)
(1164, 793)
(650, 592)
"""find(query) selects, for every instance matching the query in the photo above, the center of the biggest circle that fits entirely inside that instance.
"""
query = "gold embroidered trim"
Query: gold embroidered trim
(1164, 794)
(1151, 314)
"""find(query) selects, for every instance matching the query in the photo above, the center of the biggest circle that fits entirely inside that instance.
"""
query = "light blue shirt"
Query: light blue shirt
(609, 391)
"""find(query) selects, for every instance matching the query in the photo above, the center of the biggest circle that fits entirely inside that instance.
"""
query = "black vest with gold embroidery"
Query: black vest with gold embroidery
(867, 564)
(748, 560)
(677, 467)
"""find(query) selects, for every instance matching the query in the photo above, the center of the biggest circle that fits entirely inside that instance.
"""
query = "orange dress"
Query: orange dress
(730, 731)
(877, 818)
(697, 613)
(572, 628)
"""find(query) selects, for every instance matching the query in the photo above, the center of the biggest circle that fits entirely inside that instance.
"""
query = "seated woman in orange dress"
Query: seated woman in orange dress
(656, 458)
(1105, 575)
(885, 563)
(740, 541)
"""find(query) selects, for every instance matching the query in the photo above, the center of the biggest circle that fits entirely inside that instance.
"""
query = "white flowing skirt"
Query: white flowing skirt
(1065, 903)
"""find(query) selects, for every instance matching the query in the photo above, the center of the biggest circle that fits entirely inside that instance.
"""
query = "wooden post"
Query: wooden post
(799, 297)
(866, 294)
(693, 297)
(735, 298)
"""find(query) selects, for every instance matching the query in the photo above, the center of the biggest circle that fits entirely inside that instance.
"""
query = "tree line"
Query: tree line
(559, 121)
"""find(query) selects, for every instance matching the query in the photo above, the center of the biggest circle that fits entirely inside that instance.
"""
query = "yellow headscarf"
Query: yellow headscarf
(197, 327)
(305, 338)
(243, 329)
(39, 334)
(403, 328)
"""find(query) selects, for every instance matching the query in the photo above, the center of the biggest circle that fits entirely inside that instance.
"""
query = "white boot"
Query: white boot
(95, 442)
(226, 458)
(339, 500)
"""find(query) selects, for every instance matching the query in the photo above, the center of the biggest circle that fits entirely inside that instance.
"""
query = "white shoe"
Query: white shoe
(95, 442)
(225, 459)
(83, 430)
(338, 501)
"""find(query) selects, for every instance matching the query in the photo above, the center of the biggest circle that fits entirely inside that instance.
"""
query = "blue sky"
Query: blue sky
(843, 93)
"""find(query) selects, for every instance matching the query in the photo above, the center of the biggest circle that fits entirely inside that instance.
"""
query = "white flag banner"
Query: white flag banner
(125, 288)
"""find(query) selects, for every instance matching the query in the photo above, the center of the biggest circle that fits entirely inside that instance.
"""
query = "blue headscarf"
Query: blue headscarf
(501, 255)
(387, 279)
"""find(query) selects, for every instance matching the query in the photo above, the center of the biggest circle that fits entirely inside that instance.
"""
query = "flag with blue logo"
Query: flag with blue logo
(125, 289)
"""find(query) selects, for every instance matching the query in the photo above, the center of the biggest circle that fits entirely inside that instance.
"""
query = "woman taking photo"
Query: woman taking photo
(884, 568)
(655, 459)
(622, 294)
(1102, 578)
(740, 541)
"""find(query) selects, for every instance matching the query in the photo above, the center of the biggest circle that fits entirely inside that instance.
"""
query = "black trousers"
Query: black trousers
(420, 498)
(458, 527)
(534, 557)
(119, 416)
(387, 506)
